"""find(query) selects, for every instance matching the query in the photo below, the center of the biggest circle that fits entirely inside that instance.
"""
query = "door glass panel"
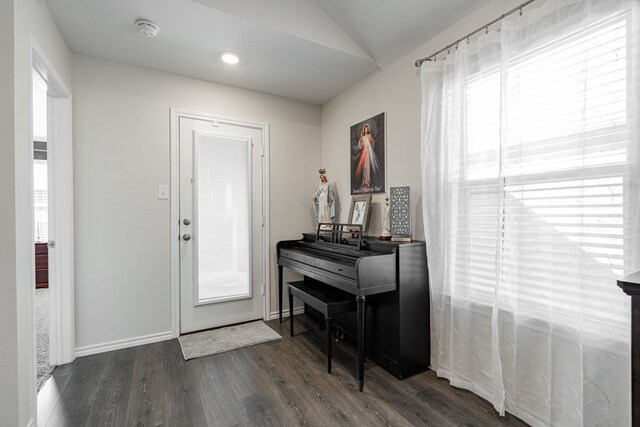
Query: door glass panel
(222, 224)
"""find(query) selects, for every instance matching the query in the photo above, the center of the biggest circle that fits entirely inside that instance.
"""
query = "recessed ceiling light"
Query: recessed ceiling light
(147, 28)
(229, 57)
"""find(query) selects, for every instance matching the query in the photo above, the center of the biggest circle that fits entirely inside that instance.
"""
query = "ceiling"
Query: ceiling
(307, 50)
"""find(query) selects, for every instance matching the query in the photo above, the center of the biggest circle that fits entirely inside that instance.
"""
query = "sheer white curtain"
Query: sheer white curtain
(531, 182)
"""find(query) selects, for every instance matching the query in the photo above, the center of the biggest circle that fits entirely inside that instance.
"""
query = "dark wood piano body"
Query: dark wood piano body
(393, 277)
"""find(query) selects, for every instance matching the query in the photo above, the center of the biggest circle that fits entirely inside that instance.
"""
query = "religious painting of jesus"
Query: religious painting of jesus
(367, 156)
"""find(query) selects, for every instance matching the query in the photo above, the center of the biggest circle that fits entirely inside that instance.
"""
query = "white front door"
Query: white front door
(221, 223)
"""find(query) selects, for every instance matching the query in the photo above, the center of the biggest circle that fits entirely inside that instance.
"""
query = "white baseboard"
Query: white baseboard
(285, 313)
(126, 343)
(148, 339)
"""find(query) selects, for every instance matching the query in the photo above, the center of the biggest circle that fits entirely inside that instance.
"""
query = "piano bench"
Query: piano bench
(326, 299)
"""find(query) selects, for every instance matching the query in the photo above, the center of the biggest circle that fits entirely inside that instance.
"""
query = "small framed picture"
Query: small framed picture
(360, 210)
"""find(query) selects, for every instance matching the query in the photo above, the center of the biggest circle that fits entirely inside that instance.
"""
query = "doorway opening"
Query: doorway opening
(41, 228)
(52, 236)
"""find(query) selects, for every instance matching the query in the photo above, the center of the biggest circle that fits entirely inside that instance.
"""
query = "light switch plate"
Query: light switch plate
(163, 192)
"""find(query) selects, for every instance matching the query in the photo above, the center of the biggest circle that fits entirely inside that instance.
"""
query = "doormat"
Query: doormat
(226, 339)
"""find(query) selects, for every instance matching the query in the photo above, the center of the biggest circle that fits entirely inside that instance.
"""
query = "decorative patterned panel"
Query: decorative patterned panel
(400, 211)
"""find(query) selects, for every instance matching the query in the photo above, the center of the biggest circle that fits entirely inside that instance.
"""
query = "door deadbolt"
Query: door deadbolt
(186, 236)
(186, 221)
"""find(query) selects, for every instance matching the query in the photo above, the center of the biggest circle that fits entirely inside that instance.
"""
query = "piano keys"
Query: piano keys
(389, 281)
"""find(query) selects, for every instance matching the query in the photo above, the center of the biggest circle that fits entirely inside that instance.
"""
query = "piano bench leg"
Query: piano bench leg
(291, 311)
(280, 293)
(328, 322)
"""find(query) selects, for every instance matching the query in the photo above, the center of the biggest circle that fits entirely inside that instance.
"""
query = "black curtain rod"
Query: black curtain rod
(484, 27)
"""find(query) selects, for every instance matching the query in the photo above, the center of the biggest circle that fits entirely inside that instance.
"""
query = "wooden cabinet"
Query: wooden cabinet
(42, 265)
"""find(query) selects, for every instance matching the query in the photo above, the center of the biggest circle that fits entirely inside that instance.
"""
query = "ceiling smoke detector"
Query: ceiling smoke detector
(147, 28)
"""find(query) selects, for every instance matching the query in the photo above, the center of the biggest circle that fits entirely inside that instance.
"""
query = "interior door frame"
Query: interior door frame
(61, 258)
(174, 198)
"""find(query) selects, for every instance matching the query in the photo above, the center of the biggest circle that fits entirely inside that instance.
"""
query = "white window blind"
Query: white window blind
(40, 202)
(547, 165)
(40, 180)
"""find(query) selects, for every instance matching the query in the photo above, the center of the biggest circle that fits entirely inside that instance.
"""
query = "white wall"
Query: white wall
(121, 154)
(20, 20)
(8, 308)
(396, 91)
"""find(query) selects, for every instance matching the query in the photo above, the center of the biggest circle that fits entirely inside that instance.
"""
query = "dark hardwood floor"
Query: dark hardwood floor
(281, 383)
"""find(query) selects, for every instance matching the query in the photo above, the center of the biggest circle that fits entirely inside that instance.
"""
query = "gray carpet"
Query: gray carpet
(42, 336)
(226, 339)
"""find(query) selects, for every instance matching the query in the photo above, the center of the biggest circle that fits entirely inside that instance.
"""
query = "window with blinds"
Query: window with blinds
(544, 177)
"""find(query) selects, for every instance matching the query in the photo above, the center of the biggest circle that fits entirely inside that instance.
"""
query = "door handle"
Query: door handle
(186, 236)
(186, 221)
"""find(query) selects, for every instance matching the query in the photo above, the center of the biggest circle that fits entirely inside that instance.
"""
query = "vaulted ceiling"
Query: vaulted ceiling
(308, 50)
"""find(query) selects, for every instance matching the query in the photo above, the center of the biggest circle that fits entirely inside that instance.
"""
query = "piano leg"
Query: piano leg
(290, 311)
(280, 292)
(362, 320)
(328, 321)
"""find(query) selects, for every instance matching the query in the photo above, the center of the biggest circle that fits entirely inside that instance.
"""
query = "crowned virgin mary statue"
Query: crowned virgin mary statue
(324, 200)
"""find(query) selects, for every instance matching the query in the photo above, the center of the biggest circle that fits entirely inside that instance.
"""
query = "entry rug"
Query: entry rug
(226, 339)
